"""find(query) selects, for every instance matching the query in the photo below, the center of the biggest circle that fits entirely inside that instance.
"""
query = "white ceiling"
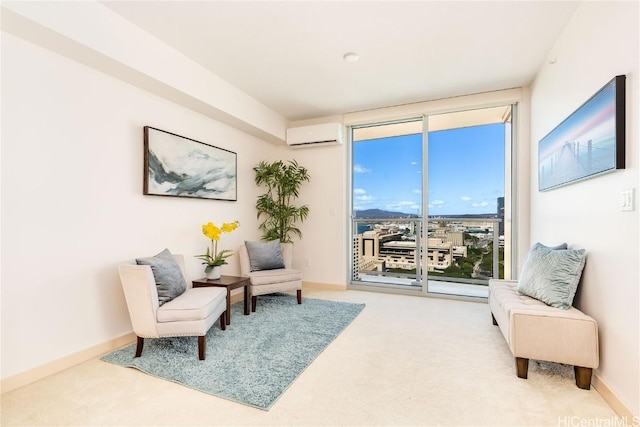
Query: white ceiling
(288, 55)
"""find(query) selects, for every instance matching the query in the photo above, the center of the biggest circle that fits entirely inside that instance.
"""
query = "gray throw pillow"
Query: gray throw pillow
(264, 255)
(169, 279)
(555, 248)
(552, 275)
(539, 245)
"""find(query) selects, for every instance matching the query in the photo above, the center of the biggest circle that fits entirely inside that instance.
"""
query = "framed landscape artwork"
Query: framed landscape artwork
(588, 143)
(178, 166)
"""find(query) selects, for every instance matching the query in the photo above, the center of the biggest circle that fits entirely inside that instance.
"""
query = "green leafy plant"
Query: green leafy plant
(279, 215)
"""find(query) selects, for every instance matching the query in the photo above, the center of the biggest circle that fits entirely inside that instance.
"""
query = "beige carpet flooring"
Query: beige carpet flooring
(403, 361)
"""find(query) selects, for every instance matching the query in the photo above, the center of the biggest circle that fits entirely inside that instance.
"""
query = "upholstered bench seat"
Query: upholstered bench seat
(535, 330)
(195, 304)
(269, 277)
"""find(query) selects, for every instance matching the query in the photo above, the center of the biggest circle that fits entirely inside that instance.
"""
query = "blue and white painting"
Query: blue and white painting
(179, 166)
(585, 144)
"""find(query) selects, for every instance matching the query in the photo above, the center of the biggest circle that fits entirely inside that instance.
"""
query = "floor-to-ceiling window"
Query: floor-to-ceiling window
(428, 202)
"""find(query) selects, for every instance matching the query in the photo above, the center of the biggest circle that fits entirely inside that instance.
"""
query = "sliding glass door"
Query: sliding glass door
(467, 174)
(428, 202)
(387, 177)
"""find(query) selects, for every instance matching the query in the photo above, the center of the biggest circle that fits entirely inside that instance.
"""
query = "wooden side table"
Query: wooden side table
(229, 282)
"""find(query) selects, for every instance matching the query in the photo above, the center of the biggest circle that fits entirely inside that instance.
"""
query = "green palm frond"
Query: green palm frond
(282, 183)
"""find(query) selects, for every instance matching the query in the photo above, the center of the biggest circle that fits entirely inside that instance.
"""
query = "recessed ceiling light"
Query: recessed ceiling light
(350, 57)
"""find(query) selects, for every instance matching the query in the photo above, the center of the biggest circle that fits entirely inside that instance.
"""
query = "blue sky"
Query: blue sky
(466, 171)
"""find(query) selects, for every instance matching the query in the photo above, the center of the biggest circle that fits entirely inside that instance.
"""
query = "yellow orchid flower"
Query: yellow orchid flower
(211, 231)
(212, 257)
(228, 228)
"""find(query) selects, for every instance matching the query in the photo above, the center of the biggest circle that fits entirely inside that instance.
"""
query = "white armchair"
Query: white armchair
(191, 313)
(271, 281)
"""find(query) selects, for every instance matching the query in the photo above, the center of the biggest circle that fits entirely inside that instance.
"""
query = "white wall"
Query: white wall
(321, 254)
(600, 42)
(72, 203)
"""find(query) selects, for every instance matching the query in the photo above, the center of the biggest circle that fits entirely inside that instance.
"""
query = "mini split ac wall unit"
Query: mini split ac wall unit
(315, 135)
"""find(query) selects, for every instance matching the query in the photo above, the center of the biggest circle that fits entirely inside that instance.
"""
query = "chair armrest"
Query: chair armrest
(141, 295)
(245, 266)
(287, 254)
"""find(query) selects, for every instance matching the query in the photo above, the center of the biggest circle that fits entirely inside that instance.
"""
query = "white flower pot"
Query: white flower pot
(215, 273)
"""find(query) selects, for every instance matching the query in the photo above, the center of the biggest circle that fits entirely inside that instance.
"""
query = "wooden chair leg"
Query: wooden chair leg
(522, 367)
(254, 302)
(493, 319)
(223, 321)
(583, 377)
(299, 296)
(139, 346)
(201, 347)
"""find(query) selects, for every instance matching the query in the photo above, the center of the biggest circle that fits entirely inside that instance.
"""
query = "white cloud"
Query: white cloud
(360, 169)
(480, 205)
(465, 198)
(416, 191)
(360, 195)
(414, 163)
(436, 204)
(404, 206)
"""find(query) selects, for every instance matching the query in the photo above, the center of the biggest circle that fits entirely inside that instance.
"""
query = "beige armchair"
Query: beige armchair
(271, 281)
(191, 313)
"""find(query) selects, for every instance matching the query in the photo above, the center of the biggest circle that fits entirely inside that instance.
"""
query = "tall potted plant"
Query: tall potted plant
(279, 215)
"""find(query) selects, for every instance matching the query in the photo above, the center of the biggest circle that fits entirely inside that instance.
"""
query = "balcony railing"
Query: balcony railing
(459, 252)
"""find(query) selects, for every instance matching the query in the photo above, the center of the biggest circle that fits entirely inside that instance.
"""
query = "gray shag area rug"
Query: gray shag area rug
(257, 358)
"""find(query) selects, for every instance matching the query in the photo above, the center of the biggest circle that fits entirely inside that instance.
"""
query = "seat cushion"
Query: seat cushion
(193, 304)
(267, 277)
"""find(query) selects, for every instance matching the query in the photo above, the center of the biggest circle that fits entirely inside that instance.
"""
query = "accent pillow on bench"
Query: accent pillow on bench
(552, 274)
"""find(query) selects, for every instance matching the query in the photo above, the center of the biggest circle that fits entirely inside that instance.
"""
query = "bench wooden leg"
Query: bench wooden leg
(139, 346)
(493, 319)
(522, 367)
(254, 302)
(299, 296)
(223, 321)
(201, 347)
(583, 377)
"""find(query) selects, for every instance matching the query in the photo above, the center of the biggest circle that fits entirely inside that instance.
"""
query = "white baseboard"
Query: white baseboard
(612, 399)
(42, 371)
(317, 286)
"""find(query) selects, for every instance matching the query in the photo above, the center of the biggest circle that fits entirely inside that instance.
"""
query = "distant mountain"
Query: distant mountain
(379, 213)
(482, 215)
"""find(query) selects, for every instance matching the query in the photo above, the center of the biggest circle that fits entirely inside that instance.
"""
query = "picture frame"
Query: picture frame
(178, 166)
(588, 143)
